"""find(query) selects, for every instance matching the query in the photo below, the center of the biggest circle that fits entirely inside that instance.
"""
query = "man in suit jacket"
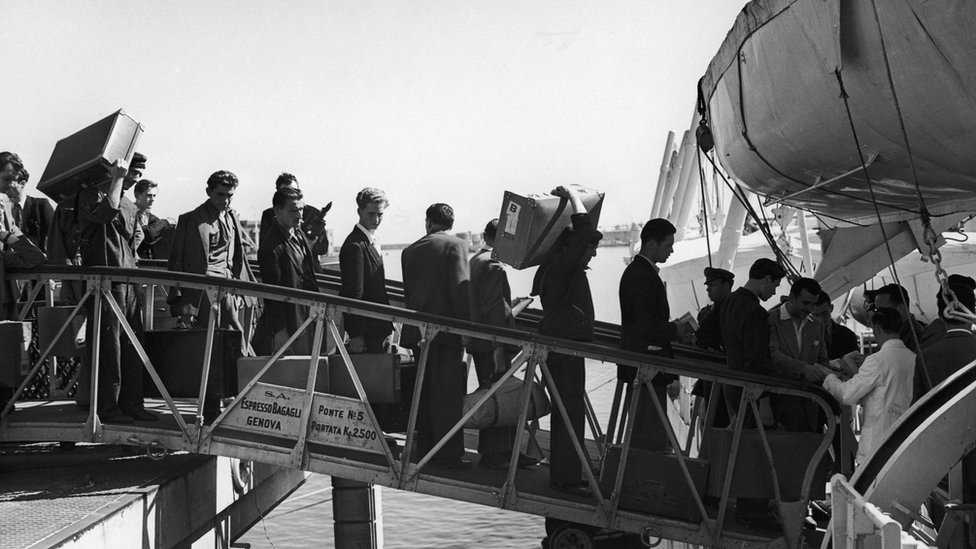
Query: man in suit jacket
(363, 275)
(154, 229)
(31, 215)
(491, 304)
(645, 327)
(11, 167)
(313, 220)
(953, 351)
(285, 259)
(436, 281)
(798, 350)
(209, 240)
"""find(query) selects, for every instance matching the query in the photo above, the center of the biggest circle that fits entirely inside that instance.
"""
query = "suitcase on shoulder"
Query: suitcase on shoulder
(177, 356)
(82, 159)
(529, 224)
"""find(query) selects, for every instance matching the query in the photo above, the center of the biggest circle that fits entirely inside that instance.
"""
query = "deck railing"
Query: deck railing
(324, 310)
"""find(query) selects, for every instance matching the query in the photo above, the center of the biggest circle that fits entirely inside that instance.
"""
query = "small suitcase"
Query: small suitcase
(379, 374)
(177, 356)
(287, 371)
(82, 159)
(529, 225)
(15, 340)
(72, 340)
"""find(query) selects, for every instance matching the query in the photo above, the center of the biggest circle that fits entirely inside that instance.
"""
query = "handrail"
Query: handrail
(710, 372)
(535, 347)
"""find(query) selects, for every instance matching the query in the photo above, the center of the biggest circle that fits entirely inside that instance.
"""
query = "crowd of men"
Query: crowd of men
(797, 339)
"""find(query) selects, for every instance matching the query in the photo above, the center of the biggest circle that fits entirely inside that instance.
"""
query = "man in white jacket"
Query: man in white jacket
(882, 385)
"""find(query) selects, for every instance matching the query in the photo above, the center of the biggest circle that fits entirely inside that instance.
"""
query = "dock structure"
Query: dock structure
(685, 494)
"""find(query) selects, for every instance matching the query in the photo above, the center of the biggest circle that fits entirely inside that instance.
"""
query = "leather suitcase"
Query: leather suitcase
(15, 340)
(379, 374)
(751, 477)
(82, 159)
(50, 320)
(529, 225)
(177, 356)
(288, 371)
(653, 483)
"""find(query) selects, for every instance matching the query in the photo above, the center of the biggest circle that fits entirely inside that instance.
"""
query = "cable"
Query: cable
(704, 197)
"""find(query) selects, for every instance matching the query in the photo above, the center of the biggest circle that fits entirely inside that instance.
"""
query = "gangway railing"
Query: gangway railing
(338, 435)
(856, 523)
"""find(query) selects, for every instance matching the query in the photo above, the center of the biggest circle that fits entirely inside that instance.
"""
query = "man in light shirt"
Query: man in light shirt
(882, 385)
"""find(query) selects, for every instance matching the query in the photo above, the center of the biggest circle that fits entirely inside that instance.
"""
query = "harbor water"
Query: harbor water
(412, 520)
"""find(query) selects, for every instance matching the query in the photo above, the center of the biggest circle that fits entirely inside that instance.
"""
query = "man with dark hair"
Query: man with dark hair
(436, 281)
(285, 258)
(645, 327)
(491, 304)
(882, 385)
(896, 297)
(105, 239)
(936, 329)
(949, 354)
(209, 240)
(840, 339)
(154, 228)
(745, 324)
(718, 285)
(11, 167)
(31, 215)
(313, 220)
(567, 303)
(364, 276)
(797, 350)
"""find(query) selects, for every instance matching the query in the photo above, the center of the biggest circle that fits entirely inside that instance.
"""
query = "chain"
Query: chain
(935, 255)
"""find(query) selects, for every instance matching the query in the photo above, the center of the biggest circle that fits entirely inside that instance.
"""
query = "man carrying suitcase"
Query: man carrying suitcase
(105, 240)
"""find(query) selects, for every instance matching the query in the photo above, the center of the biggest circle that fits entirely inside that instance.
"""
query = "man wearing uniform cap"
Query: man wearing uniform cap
(718, 284)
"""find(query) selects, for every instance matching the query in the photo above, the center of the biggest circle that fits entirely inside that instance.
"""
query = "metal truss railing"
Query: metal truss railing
(603, 511)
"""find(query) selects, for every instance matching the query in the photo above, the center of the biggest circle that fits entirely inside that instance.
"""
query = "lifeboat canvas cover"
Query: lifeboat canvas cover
(780, 124)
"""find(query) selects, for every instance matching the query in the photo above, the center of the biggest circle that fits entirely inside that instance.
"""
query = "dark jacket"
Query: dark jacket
(956, 349)
(282, 265)
(562, 285)
(745, 332)
(191, 247)
(154, 232)
(436, 280)
(35, 220)
(105, 232)
(491, 297)
(644, 316)
(709, 334)
(23, 254)
(318, 239)
(363, 277)
(842, 341)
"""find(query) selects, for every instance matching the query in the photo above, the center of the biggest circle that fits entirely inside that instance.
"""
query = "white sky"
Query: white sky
(433, 101)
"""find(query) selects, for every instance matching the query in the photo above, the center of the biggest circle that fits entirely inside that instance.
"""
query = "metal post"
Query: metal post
(357, 509)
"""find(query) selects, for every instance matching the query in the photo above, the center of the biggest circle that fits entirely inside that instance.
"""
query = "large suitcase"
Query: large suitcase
(82, 159)
(72, 340)
(379, 374)
(751, 477)
(654, 483)
(287, 371)
(177, 356)
(529, 225)
(15, 340)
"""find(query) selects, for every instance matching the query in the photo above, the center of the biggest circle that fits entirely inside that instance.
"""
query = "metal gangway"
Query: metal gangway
(687, 497)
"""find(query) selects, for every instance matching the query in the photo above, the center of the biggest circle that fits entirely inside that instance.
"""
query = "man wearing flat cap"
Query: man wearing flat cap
(718, 284)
